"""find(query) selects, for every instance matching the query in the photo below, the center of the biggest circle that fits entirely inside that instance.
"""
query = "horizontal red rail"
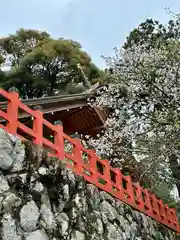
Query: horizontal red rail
(91, 167)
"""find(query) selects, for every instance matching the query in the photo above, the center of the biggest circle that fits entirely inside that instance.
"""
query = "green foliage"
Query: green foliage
(19, 44)
(144, 112)
(102, 181)
(164, 118)
(42, 66)
(163, 191)
(153, 34)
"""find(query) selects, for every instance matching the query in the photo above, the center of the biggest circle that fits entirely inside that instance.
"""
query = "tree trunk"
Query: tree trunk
(175, 168)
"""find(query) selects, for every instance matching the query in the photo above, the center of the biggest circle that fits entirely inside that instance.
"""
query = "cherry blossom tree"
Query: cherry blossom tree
(143, 101)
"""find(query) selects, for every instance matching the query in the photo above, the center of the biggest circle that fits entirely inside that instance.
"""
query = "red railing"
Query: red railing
(92, 168)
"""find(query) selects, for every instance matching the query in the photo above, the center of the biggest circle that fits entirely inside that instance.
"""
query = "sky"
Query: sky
(99, 25)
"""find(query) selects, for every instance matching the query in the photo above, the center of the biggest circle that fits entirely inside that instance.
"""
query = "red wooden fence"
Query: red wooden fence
(93, 169)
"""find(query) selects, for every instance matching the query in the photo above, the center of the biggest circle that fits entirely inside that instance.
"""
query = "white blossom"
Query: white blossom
(138, 72)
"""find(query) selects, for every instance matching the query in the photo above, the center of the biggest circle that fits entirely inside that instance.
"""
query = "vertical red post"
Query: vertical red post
(120, 192)
(162, 212)
(148, 206)
(38, 127)
(12, 112)
(59, 140)
(92, 166)
(107, 176)
(77, 156)
(130, 190)
(138, 199)
(174, 221)
(156, 212)
(168, 215)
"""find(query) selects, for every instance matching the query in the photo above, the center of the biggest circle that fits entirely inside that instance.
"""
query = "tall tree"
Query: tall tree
(16, 46)
(42, 66)
(153, 34)
(144, 98)
(2, 74)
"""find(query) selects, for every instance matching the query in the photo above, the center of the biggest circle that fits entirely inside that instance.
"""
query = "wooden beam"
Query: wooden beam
(101, 114)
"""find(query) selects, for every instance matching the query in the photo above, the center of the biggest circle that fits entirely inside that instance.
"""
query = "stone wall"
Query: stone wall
(47, 201)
